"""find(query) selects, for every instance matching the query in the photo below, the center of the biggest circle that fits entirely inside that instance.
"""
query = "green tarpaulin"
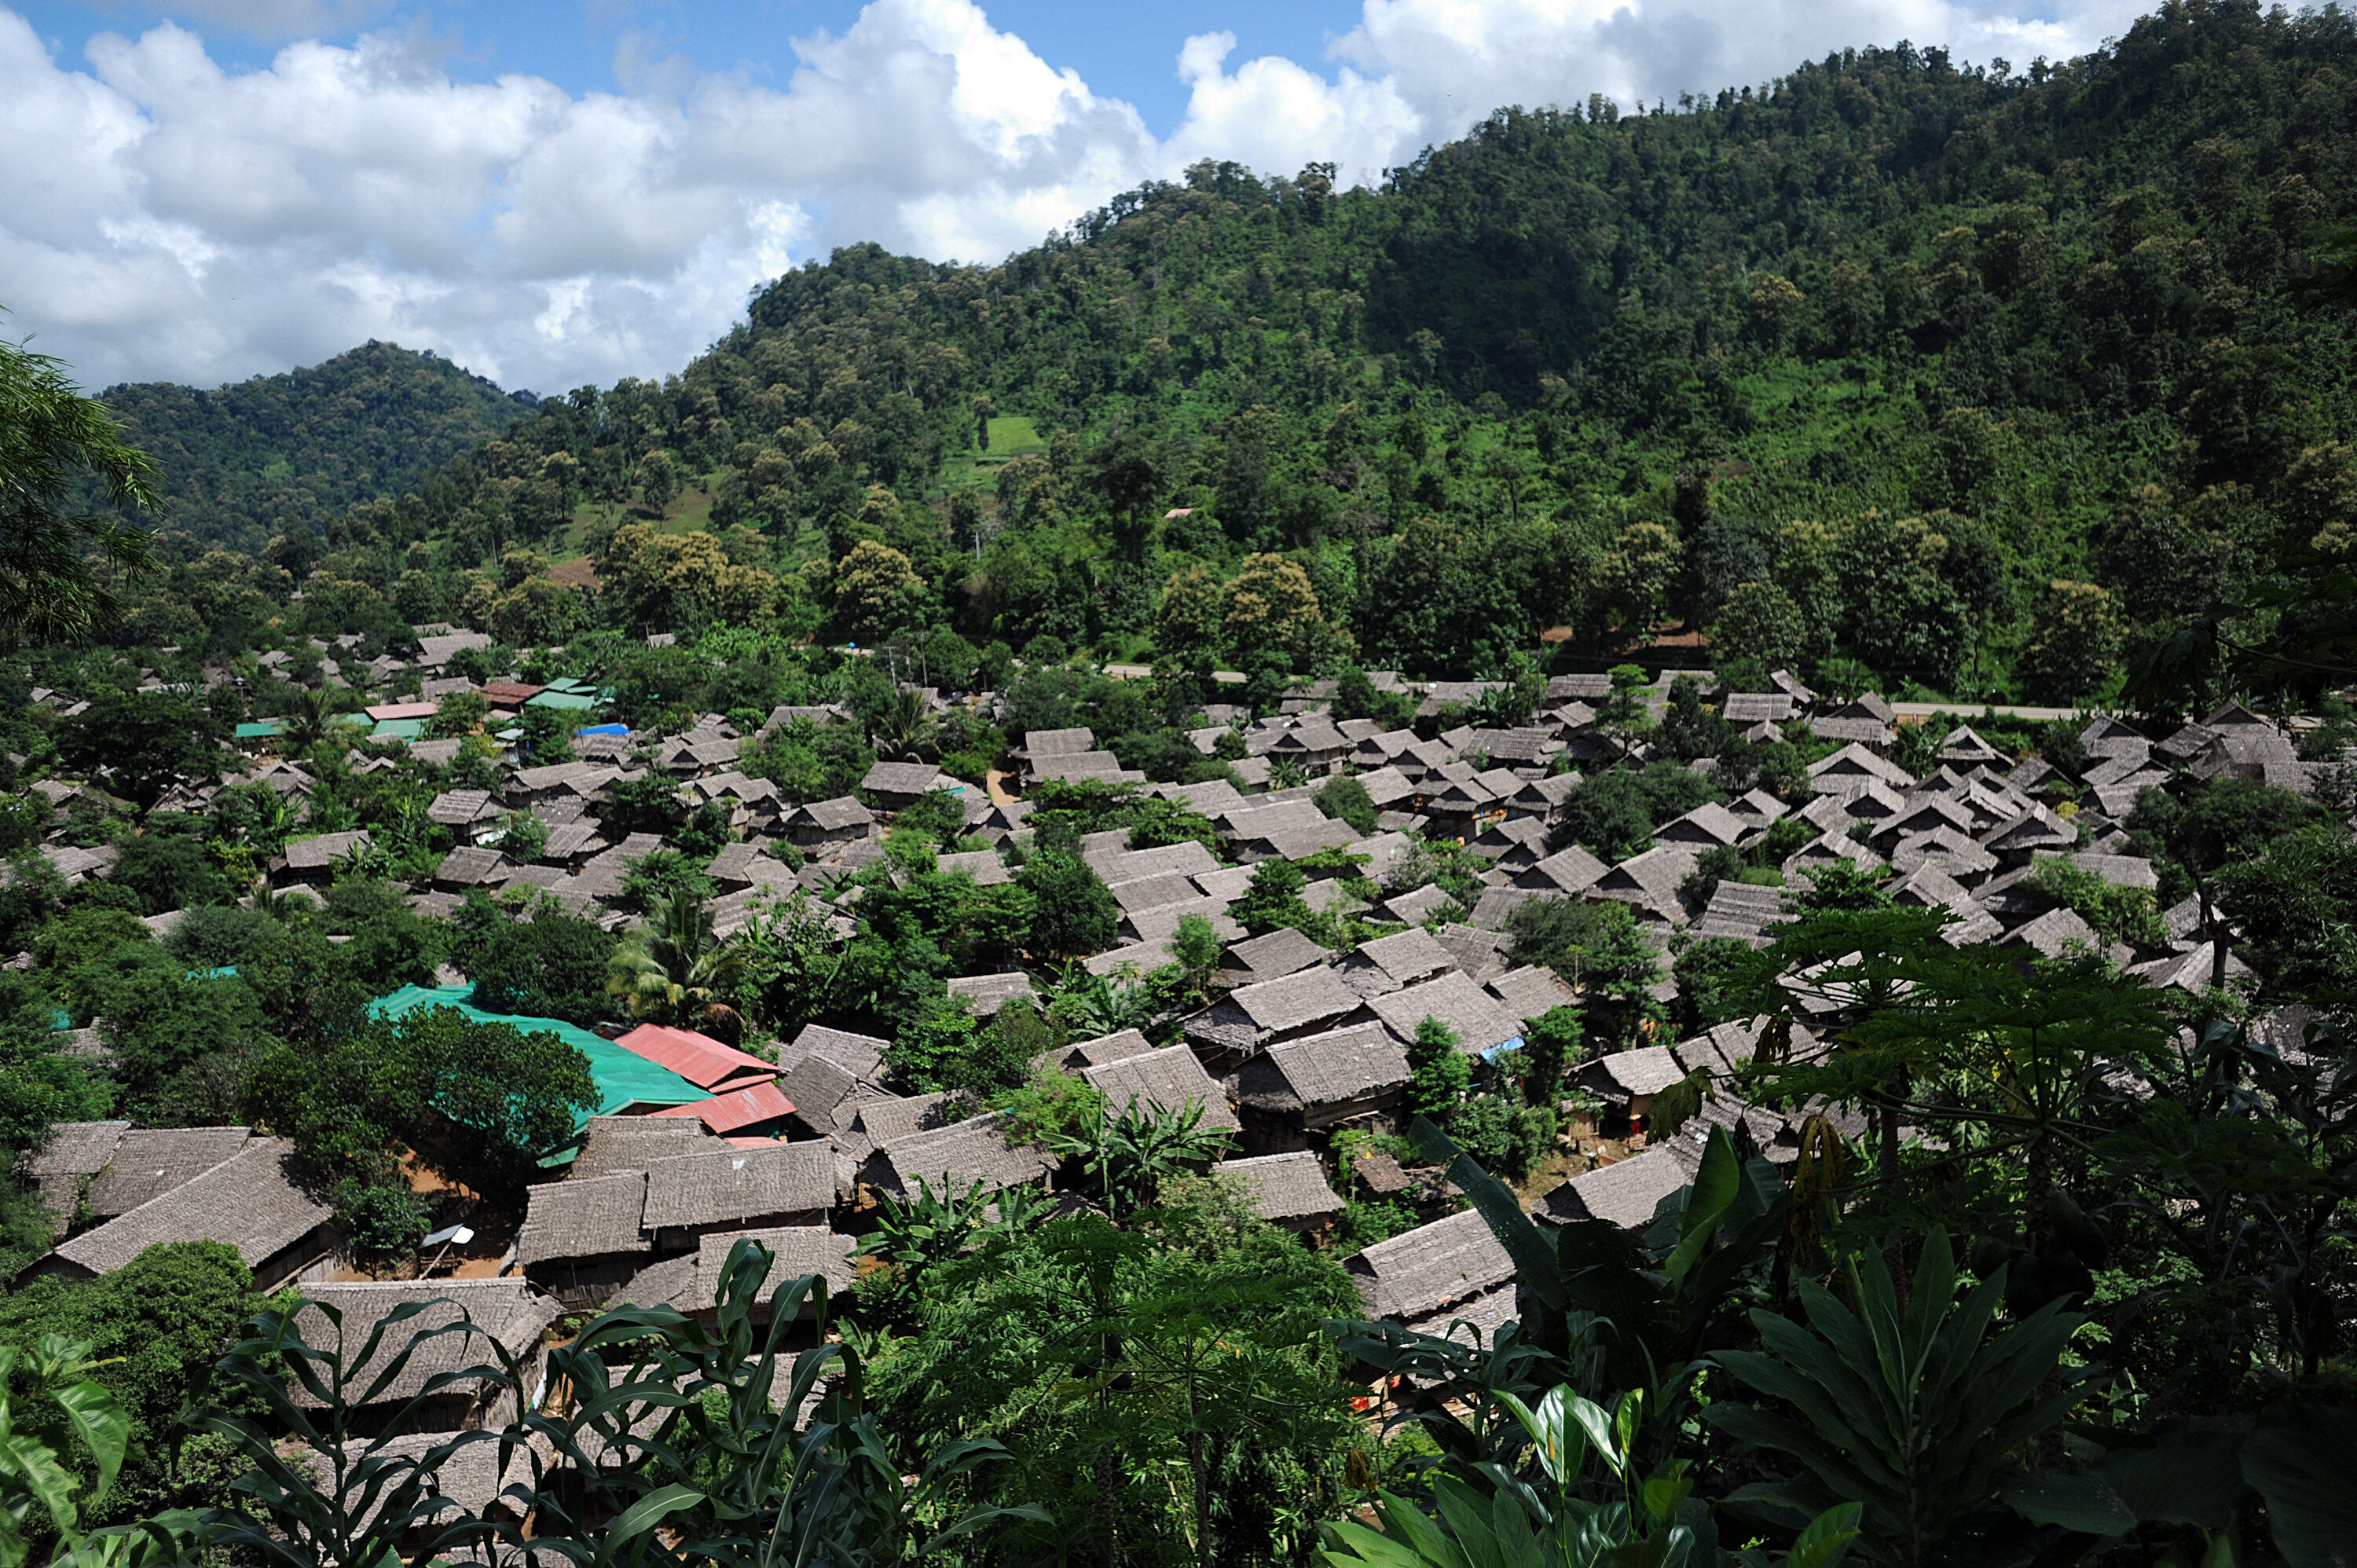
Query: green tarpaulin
(624, 1079)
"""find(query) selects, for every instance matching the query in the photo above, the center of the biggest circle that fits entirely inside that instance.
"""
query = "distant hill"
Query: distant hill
(311, 443)
(1980, 378)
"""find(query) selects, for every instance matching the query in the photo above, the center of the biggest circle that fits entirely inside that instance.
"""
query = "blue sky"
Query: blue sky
(554, 192)
(1127, 51)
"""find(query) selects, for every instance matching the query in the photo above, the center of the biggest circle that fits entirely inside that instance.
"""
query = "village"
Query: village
(1301, 1059)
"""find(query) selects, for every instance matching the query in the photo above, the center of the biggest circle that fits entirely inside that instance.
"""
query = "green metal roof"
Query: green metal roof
(552, 698)
(262, 731)
(624, 1079)
(399, 729)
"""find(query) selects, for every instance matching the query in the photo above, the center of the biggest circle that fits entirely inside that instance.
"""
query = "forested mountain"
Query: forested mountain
(277, 454)
(1976, 375)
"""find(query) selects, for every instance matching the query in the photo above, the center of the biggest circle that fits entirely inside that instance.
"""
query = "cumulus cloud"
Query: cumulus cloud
(163, 217)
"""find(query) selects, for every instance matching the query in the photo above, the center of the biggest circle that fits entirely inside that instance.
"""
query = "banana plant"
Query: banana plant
(702, 1451)
(48, 1401)
(1556, 1518)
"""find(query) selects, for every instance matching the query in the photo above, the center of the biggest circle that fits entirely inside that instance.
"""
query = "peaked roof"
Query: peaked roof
(739, 1109)
(699, 1059)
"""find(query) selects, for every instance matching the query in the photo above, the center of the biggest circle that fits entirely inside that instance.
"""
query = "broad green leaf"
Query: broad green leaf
(2302, 1469)
(2083, 1503)
(102, 1423)
(35, 1465)
(1827, 1539)
(1714, 1185)
(2190, 1479)
(649, 1511)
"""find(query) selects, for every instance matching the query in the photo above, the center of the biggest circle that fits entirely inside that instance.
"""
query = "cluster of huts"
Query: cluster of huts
(1301, 1042)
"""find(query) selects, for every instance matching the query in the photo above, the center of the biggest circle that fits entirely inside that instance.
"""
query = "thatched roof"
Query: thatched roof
(1284, 1186)
(149, 1162)
(733, 1186)
(1273, 956)
(1254, 1014)
(1387, 964)
(1168, 1079)
(610, 1144)
(957, 1156)
(1421, 1270)
(1623, 1075)
(989, 992)
(1085, 1053)
(1456, 1000)
(1628, 1191)
(863, 1054)
(794, 1250)
(824, 1092)
(585, 1219)
(1330, 1069)
(889, 1119)
(250, 1202)
(1531, 991)
(509, 1311)
(75, 1149)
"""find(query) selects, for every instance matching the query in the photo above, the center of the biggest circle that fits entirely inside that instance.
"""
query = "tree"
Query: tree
(877, 590)
(1598, 949)
(672, 970)
(1554, 1043)
(1439, 1073)
(144, 741)
(1164, 1394)
(2075, 643)
(1273, 899)
(1076, 915)
(481, 1102)
(2296, 909)
(54, 556)
(1188, 626)
(1344, 798)
(552, 965)
(1761, 623)
(1271, 603)
(460, 713)
(151, 1330)
(1133, 1155)
(2228, 822)
(170, 871)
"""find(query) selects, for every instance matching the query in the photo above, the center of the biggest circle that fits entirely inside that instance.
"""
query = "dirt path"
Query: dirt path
(998, 795)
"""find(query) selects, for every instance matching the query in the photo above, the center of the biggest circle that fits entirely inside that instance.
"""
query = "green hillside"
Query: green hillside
(245, 461)
(1976, 376)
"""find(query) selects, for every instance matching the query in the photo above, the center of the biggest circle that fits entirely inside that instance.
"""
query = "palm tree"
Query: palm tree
(903, 725)
(672, 970)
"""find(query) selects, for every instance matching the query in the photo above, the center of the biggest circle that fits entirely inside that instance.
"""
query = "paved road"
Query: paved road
(1139, 671)
(1905, 710)
(2003, 710)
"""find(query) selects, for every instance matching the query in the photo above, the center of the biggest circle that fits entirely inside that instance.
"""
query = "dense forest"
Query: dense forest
(285, 454)
(1978, 376)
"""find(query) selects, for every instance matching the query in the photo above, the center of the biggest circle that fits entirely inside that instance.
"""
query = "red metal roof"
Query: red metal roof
(699, 1059)
(727, 1113)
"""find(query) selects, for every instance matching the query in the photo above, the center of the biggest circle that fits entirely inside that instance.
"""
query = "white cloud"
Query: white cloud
(163, 217)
